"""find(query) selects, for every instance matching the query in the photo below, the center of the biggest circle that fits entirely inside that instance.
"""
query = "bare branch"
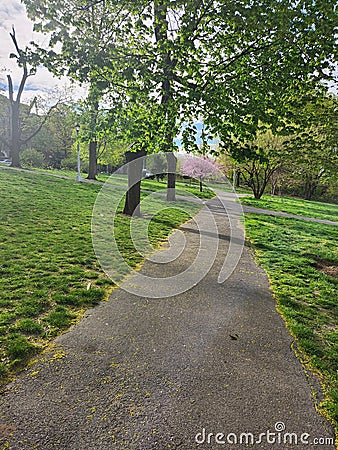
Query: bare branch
(25, 141)
(25, 74)
(10, 89)
(32, 104)
(15, 42)
(22, 84)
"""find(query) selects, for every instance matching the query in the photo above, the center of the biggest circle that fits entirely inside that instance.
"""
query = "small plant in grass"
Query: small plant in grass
(66, 299)
(6, 318)
(3, 370)
(80, 297)
(91, 296)
(29, 326)
(19, 348)
(32, 307)
(60, 317)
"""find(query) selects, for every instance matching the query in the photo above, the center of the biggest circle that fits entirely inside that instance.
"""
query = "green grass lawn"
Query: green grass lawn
(301, 259)
(182, 187)
(318, 210)
(62, 173)
(49, 274)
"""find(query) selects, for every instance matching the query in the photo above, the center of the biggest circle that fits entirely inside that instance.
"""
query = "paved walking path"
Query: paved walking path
(153, 374)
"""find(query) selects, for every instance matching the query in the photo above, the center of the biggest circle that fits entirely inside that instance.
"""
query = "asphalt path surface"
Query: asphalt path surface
(191, 371)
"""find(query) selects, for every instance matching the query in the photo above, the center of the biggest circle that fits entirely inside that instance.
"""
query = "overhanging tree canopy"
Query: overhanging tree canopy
(233, 62)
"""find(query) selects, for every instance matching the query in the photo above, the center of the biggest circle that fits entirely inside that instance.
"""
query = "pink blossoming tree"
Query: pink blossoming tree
(200, 168)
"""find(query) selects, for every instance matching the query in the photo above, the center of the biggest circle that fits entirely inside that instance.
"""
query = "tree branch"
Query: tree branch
(251, 48)
(24, 66)
(10, 89)
(25, 141)
(22, 84)
(179, 80)
(15, 42)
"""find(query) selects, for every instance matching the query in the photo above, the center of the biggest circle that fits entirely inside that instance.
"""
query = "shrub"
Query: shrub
(70, 163)
(32, 158)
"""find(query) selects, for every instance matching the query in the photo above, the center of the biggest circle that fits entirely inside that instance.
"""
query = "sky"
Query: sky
(12, 12)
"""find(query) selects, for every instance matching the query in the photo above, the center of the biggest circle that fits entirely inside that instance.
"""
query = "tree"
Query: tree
(303, 151)
(313, 150)
(16, 139)
(258, 160)
(82, 35)
(5, 126)
(232, 62)
(133, 194)
(111, 153)
(199, 167)
(56, 138)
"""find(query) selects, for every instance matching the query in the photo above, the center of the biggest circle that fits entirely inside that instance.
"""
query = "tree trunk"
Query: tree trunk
(273, 187)
(238, 179)
(161, 27)
(92, 171)
(14, 139)
(172, 162)
(133, 194)
(234, 178)
(257, 188)
(201, 185)
(309, 190)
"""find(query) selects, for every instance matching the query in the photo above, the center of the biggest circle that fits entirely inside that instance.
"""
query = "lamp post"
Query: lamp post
(78, 177)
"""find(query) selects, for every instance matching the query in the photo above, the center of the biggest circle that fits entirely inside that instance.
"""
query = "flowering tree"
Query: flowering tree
(199, 167)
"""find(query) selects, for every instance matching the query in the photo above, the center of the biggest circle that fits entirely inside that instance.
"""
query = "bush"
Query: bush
(70, 163)
(32, 158)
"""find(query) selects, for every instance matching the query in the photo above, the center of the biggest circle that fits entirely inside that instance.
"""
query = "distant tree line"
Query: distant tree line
(54, 146)
(300, 157)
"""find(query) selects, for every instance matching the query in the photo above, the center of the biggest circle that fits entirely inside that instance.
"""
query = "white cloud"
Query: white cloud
(13, 13)
(10, 10)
